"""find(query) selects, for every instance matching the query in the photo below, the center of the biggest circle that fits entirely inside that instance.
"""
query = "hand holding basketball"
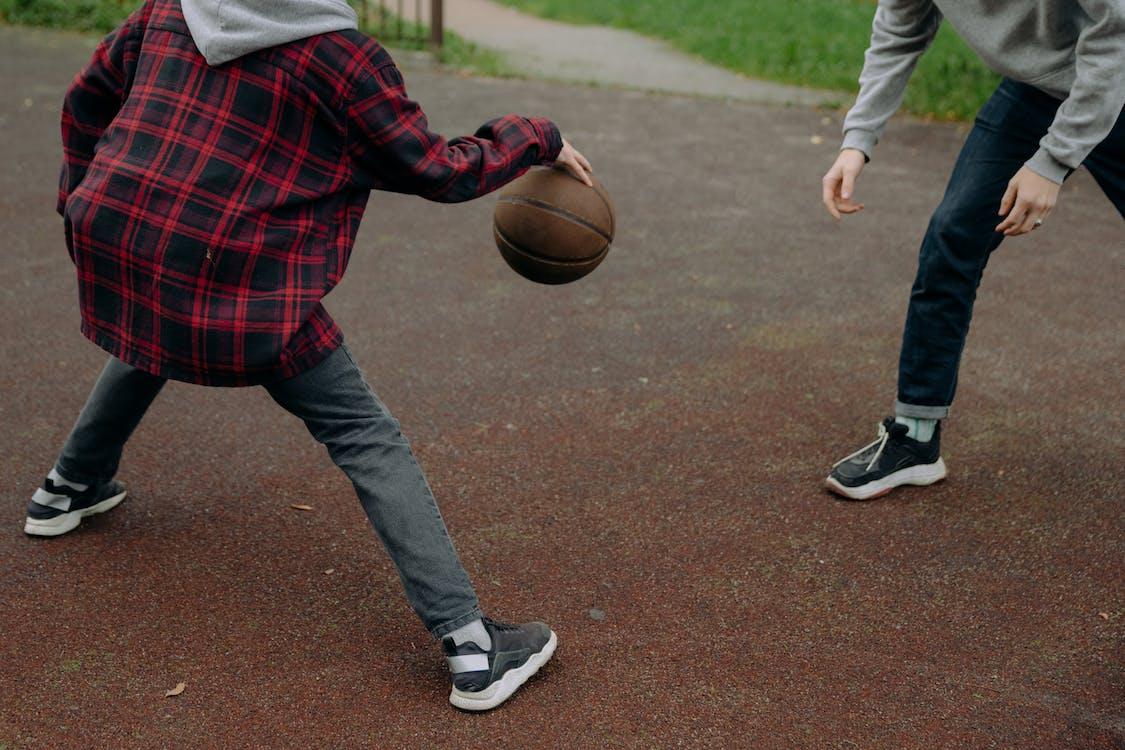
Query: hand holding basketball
(574, 163)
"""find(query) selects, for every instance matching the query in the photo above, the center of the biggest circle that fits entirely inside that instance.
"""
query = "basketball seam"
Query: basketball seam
(544, 259)
(560, 212)
(609, 210)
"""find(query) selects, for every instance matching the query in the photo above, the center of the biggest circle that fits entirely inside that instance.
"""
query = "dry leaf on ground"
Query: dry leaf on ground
(176, 690)
(300, 506)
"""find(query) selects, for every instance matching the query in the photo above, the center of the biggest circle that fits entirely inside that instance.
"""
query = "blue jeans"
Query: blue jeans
(342, 412)
(961, 237)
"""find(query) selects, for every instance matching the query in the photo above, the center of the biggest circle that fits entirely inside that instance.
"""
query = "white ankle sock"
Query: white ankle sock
(475, 632)
(57, 478)
(917, 428)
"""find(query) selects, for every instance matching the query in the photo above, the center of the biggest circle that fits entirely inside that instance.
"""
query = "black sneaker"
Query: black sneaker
(55, 509)
(891, 461)
(485, 679)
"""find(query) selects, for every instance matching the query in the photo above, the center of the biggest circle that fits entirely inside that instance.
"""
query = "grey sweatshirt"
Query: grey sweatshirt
(1073, 50)
(224, 30)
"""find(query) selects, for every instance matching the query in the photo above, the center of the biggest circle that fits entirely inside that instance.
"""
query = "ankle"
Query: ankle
(59, 480)
(918, 428)
(473, 632)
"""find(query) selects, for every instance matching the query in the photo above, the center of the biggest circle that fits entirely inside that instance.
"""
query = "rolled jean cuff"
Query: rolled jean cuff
(920, 412)
(448, 627)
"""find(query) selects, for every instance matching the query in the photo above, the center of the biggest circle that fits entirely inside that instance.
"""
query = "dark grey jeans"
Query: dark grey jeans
(364, 440)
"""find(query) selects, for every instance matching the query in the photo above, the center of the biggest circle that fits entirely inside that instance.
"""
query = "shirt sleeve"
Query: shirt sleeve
(901, 32)
(94, 99)
(1096, 99)
(392, 148)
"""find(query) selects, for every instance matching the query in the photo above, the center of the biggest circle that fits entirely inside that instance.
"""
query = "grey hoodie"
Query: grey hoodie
(1073, 50)
(228, 29)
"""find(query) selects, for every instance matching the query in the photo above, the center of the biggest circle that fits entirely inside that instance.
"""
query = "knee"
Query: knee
(957, 244)
(356, 436)
(947, 222)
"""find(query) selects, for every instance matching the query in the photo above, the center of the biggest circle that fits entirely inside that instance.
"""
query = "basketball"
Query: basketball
(551, 228)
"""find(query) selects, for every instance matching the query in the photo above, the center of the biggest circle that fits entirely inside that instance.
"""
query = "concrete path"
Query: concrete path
(592, 54)
(635, 458)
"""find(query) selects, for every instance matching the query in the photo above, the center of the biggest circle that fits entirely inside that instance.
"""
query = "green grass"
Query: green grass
(102, 16)
(817, 43)
(80, 15)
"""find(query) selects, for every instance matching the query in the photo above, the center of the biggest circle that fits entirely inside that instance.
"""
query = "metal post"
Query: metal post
(437, 23)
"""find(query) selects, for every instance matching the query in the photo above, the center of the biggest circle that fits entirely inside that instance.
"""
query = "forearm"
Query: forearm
(499, 152)
(1096, 98)
(901, 31)
(391, 146)
(94, 99)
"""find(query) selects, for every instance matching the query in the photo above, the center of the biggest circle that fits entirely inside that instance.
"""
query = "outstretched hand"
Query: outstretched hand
(838, 185)
(574, 163)
(1027, 202)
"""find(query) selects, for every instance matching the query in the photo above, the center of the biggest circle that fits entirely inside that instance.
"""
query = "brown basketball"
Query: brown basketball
(552, 228)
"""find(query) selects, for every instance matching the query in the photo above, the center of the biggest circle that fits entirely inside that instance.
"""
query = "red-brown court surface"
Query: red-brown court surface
(647, 444)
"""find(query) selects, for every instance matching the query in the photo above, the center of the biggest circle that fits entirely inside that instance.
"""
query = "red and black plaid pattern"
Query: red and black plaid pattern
(209, 210)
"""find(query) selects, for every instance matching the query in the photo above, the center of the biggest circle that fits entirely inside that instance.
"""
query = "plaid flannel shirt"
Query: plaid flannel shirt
(209, 210)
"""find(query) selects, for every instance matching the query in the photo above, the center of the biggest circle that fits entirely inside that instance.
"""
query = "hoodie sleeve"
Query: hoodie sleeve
(1088, 114)
(392, 148)
(901, 32)
(95, 97)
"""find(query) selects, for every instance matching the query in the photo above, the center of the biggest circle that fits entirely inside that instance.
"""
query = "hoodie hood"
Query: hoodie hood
(225, 30)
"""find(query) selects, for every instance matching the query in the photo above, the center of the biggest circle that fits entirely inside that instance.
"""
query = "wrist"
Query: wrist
(1048, 167)
(859, 140)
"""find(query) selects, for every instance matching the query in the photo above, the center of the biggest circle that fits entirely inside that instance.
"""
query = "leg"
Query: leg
(958, 243)
(342, 412)
(81, 484)
(115, 407)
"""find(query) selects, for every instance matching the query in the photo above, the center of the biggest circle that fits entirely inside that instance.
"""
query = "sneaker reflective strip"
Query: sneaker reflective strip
(51, 500)
(469, 663)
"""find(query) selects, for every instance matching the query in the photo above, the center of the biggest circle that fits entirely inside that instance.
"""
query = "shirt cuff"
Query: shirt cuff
(861, 140)
(1045, 165)
(550, 139)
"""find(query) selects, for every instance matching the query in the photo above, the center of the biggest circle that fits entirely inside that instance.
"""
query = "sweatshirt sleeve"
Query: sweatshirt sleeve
(392, 148)
(901, 32)
(94, 99)
(1096, 99)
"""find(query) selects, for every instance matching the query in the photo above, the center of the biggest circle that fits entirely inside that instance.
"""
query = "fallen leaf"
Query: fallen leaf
(1103, 615)
(816, 140)
(176, 690)
(300, 506)
(330, 571)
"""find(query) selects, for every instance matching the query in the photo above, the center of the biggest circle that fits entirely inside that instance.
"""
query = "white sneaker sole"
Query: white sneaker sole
(502, 689)
(65, 522)
(917, 475)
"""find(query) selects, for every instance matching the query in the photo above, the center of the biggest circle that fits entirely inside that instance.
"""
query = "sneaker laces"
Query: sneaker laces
(497, 625)
(885, 433)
